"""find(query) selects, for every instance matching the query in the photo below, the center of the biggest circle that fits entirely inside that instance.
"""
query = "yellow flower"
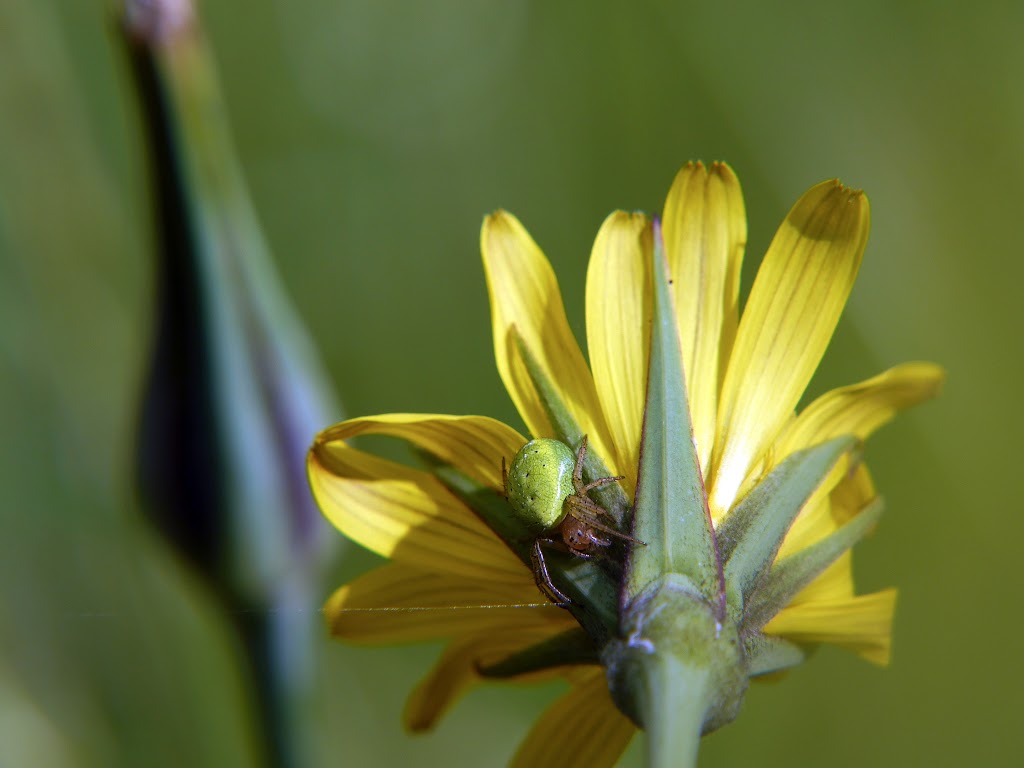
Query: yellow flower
(458, 580)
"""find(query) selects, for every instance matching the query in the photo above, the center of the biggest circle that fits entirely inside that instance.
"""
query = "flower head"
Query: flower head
(460, 563)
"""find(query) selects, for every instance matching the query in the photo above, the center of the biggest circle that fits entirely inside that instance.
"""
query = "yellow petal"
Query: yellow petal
(457, 670)
(396, 604)
(862, 408)
(834, 583)
(794, 306)
(852, 494)
(705, 232)
(475, 445)
(814, 523)
(582, 729)
(619, 329)
(847, 498)
(823, 515)
(525, 299)
(815, 520)
(862, 624)
(404, 514)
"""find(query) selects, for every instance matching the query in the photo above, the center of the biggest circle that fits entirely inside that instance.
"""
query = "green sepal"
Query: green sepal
(795, 572)
(573, 647)
(751, 534)
(766, 654)
(489, 505)
(566, 429)
(671, 513)
(593, 591)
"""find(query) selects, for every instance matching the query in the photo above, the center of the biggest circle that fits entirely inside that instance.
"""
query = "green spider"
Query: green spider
(544, 484)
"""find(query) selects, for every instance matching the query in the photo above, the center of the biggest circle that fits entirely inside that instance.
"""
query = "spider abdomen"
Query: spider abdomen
(539, 482)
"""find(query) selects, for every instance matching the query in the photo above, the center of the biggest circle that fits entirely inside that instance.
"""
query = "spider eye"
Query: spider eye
(539, 481)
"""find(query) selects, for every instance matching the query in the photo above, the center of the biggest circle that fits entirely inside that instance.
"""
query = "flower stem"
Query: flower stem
(674, 707)
(280, 646)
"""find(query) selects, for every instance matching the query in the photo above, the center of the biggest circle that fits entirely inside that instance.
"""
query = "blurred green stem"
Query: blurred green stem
(276, 641)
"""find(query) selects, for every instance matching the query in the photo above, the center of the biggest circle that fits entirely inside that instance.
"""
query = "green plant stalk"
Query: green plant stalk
(674, 696)
(277, 643)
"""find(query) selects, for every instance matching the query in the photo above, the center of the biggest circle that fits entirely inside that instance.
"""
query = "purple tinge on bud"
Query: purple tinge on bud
(158, 21)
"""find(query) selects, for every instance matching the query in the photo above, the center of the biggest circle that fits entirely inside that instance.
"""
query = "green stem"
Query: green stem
(279, 644)
(674, 703)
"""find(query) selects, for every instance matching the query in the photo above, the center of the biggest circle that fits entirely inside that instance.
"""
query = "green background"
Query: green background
(374, 136)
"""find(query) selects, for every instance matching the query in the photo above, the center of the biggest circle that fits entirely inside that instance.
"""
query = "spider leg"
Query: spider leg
(586, 514)
(504, 478)
(561, 546)
(543, 578)
(577, 472)
(580, 555)
(598, 483)
(585, 502)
